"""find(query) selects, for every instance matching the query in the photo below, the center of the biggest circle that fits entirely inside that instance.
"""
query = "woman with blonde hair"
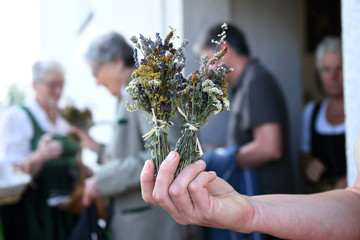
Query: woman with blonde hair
(323, 132)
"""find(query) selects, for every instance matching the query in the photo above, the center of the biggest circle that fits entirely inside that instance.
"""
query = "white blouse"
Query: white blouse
(16, 130)
(321, 125)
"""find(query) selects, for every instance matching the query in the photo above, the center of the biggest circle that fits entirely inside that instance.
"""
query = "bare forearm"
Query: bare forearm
(252, 155)
(94, 146)
(32, 165)
(265, 147)
(330, 215)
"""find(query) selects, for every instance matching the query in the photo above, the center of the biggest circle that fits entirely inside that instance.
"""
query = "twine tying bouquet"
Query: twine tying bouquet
(159, 88)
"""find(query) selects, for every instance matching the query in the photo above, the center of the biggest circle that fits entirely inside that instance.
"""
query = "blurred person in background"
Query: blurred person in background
(256, 158)
(111, 61)
(33, 137)
(323, 131)
(258, 115)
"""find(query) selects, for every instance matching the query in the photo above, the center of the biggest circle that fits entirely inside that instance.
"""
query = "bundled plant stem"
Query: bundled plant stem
(188, 147)
(157, 141)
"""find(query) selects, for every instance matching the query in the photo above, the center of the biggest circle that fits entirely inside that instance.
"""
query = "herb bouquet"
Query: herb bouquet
(155, 88)
(79, 118)
(205, 94)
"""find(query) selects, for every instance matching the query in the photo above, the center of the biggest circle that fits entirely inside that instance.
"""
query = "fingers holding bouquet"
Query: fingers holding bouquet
(194, 196)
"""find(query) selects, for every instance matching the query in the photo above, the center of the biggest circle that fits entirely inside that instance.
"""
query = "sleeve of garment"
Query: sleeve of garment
(265, 103)
(119, 175)
(16, 134)
(306, 127)
(116, 177)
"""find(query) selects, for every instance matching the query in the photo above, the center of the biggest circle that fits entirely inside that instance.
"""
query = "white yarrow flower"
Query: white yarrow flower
(226, 103)
(155, 83)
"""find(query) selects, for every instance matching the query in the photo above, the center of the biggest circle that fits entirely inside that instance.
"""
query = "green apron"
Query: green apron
(39, 220)
(1, 231)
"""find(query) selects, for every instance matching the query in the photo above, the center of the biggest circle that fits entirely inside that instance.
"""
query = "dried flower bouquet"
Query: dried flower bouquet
(155, 88)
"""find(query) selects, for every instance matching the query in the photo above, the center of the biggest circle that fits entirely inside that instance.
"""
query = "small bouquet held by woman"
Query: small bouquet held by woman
(81, 119)
(159, 88)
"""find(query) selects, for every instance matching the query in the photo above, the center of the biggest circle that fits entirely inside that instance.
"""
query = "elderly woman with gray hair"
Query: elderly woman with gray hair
(323, 132)
(33, 136)
(111, 61)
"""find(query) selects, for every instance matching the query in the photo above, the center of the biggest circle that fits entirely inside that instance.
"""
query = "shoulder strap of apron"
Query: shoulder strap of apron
(38, 132)
(314, 115)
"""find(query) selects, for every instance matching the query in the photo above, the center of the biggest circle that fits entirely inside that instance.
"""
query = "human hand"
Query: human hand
(91, 191)
(85, 140)
(48, 148)
(314, 170)
(195, 196)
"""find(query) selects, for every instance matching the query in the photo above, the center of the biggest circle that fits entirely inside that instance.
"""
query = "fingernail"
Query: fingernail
(146, 166)
(212, 173)
(199, 162)
(171, 156)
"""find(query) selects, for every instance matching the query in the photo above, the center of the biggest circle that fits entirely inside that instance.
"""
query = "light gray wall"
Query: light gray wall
(199, 15)
(351, 71)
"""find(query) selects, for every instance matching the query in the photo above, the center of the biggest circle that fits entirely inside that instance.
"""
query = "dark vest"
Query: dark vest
(329, 149)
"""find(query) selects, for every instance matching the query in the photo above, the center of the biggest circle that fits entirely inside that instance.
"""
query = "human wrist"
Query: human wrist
(258, 215)
(37, 157)
(246, 214)
(268, 209)
(32, 163)
(93, 145)
(93, 183)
